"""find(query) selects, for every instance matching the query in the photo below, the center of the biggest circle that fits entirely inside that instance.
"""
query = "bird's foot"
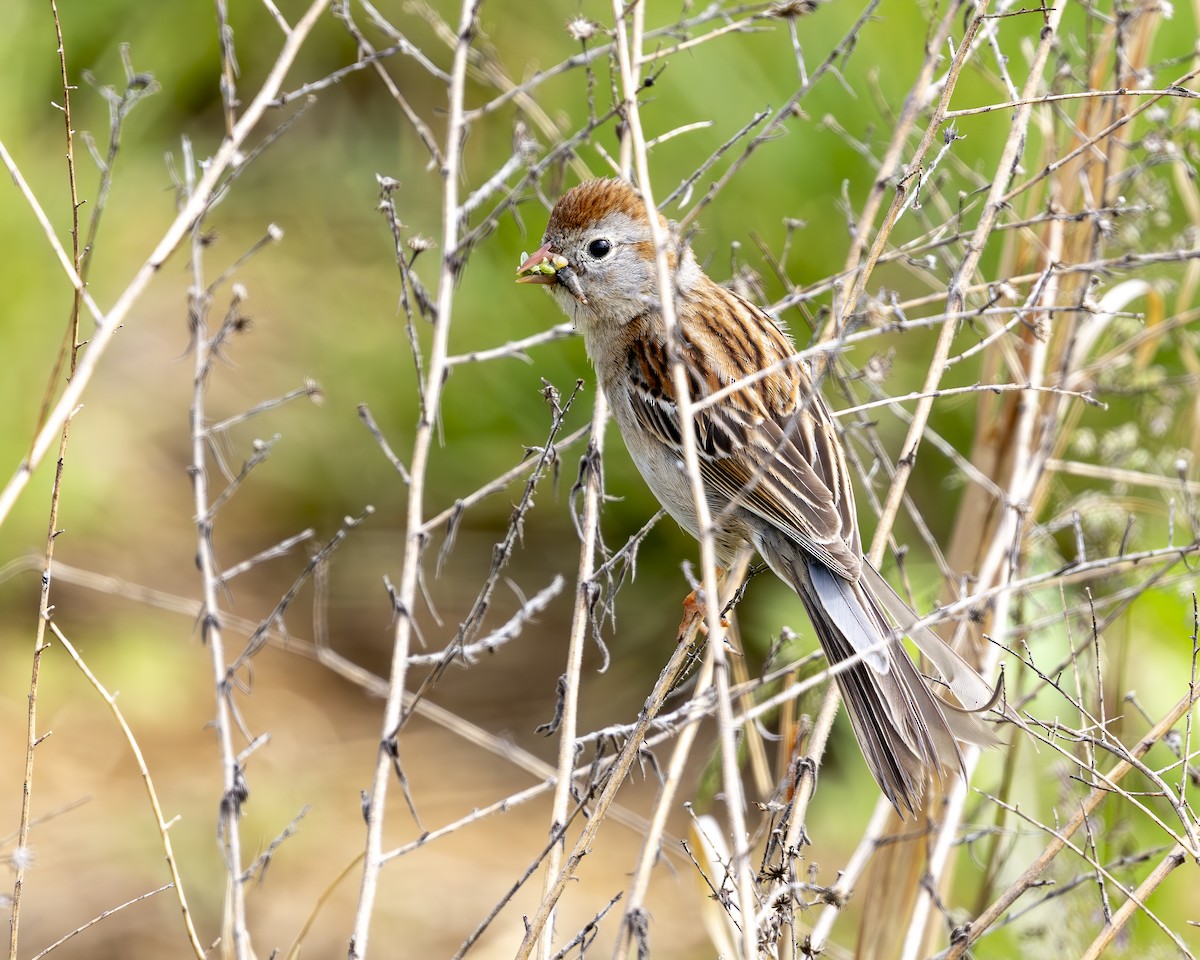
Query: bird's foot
(694, 608)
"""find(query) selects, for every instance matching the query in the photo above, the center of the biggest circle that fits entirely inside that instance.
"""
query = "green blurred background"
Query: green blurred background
(324, 304)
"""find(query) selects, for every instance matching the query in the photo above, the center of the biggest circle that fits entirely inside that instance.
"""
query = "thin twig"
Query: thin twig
(103, 915)
(108, 323)
(663, 804)
(615, 778)
(568, 710)
(966, 935)
(71, 348)
(422, 447)
(629, 53)
(152, 794)
(234, 790)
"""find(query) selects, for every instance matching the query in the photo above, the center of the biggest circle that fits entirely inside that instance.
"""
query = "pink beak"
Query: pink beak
(528, 272)
(524, 275)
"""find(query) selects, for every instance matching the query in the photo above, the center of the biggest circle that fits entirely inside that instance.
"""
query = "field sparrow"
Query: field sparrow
(771, 463)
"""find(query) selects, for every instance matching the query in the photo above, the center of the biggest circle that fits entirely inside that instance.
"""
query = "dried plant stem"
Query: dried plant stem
(1100, 137)
(966, 935)
(616, 777)
(849, 875)
(997, 388)
(829, 65)
(228, 66)
(1177, 857)
(853, 285)
(955, 300)
(96, 919)
(797, 813)
(450, 514)
(151, 793)
(71, 348)
(856, 278)
(369, 55)
(580, 622)
(633, 148)
(818, 740)
(235, 934)
(1001, 562)
(1172, 91)
(419, 462)
(628, 59)
(51, 426)
(1023, 480)
(635, 898)
(107, 324)
(807, 783)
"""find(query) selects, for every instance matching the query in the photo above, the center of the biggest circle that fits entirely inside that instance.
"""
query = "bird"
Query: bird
(772, 467)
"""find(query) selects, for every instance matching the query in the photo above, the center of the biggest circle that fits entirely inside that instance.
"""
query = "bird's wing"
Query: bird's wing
(770, 446)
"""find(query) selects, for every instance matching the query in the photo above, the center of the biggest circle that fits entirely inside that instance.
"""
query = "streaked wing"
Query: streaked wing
(770, 447)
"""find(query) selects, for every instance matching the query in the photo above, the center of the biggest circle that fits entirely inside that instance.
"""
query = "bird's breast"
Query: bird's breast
(663, 469)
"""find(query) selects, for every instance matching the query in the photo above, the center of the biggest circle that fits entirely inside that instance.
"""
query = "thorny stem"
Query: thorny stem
(1172, 91)
(103, 915)
(616, 777)
(579, 623)
(44, 610)
(855, 283)
(1177, 857)
(806, 784)
(663, 807)
(937, 364)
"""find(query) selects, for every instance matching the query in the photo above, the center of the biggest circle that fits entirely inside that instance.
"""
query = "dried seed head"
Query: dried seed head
(582, 29)
(791, 9)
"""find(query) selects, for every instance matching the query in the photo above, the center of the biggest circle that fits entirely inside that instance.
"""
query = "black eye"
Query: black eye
(599, 249)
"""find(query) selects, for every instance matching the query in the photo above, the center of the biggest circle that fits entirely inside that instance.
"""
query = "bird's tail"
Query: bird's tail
(905, 730)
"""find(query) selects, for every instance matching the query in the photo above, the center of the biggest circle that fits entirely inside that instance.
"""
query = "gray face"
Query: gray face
(608, 262)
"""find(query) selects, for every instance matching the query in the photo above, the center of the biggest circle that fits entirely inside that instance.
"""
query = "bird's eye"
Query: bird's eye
(599, 248)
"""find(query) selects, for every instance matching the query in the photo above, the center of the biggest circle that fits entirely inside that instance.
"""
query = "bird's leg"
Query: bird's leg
(695, 608)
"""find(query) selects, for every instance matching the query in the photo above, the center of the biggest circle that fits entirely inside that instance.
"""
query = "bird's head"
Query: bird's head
(597, 255)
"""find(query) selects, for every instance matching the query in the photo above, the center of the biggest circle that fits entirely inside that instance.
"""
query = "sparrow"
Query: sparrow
(772, 465)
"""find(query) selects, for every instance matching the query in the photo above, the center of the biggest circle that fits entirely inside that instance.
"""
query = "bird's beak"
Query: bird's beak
(542, 267)
(546, 266)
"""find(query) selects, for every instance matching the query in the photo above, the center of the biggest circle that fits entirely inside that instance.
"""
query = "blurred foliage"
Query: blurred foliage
(324, 304)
